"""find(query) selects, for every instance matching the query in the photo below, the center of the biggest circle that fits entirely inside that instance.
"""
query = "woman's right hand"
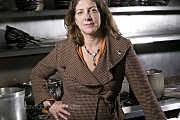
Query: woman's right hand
(59, 110)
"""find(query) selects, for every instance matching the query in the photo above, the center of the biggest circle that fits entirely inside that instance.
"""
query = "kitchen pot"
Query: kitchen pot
(12, 104)
(27, 86)
(156, 80)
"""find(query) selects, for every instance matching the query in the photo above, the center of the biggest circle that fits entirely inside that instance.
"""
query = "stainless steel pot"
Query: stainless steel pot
(27, 86)
(12, 104)
(156, 80)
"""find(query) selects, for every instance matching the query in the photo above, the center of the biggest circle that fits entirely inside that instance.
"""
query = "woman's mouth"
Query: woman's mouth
(89, 24)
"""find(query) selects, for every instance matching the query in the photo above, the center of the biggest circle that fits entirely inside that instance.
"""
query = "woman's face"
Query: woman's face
(87, 17)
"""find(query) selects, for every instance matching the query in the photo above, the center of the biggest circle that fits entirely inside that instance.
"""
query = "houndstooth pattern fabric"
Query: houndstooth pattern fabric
(87, 92)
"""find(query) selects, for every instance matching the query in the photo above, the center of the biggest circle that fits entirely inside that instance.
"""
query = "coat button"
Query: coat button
(119, 52)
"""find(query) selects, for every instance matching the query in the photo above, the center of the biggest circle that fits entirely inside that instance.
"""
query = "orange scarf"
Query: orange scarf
(79, 51)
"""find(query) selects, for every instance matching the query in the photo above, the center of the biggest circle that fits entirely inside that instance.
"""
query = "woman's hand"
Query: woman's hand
(58, 110)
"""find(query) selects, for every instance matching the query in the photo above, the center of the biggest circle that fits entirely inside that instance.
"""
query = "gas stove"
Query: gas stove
(166, 105)
(169, 101)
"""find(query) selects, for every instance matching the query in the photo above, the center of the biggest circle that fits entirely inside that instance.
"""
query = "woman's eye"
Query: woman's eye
(94, 10)
(79, 13)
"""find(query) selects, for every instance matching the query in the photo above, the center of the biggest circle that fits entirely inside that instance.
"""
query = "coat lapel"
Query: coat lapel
(116, 50)
(113, 54)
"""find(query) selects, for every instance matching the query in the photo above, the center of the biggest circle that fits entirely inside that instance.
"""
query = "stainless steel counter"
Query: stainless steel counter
(166, 105)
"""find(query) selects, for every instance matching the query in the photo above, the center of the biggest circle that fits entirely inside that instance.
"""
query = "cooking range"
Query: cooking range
(167, 101)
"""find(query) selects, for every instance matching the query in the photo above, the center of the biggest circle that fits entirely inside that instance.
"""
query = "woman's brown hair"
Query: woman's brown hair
(108, 25)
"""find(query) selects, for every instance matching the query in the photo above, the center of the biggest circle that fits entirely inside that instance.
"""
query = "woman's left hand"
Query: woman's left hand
(59, 110)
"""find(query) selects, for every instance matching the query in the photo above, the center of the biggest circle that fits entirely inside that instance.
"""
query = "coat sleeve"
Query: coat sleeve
(139, 83)
(39, 75)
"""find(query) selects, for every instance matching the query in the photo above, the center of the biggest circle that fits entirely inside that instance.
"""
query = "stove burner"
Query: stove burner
(128, 99)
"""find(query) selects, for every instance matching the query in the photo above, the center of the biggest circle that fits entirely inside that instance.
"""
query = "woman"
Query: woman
(92, 63)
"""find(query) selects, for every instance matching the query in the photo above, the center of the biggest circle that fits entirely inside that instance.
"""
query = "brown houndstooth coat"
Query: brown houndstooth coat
(94, 95)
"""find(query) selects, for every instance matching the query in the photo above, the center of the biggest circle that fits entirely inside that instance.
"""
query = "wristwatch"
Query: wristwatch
(50, 102)
(49, 105)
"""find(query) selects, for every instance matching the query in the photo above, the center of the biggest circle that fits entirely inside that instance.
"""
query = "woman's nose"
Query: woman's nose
(88, 17)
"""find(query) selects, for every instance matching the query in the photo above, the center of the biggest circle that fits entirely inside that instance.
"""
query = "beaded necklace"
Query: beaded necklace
(93, 55)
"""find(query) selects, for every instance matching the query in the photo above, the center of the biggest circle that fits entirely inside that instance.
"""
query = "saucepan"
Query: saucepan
(12, 104)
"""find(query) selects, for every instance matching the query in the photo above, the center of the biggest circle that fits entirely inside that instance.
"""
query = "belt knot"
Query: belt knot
(109, 100)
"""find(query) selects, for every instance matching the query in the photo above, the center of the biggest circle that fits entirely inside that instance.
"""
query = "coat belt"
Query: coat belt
(111, 103)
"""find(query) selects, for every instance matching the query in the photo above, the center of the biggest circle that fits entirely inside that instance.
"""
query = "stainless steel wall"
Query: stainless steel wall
(15, 70)
(138, 25)
(168, 62)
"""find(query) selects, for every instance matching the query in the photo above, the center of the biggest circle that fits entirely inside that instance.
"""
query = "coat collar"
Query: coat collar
(114, 51)
(113, 54)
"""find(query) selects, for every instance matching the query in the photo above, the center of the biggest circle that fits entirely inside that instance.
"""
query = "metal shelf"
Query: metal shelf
(115, 10)
(45, 46)
(170, 40)
(33, 14)
(14, 52)
(143, 39)
(145, 10)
